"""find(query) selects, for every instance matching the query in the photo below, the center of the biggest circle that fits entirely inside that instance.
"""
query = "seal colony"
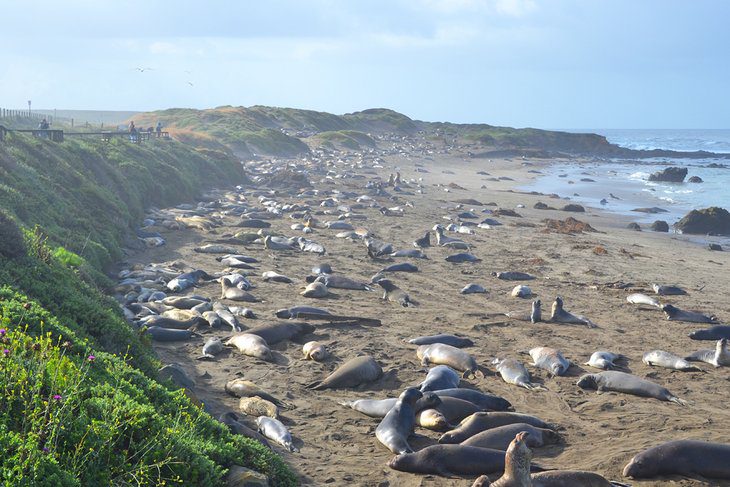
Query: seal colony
(276, 365)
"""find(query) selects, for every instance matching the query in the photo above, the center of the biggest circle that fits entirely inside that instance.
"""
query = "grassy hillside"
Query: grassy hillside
(341, 139)
(66, 419)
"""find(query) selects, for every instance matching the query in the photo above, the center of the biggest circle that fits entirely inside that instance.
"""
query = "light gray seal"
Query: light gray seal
(499, 438)
(688, 458)
(440, 377)
(536, 312)
(275, 430)
(604, 360)
(615, 381)
(668, 360)
(442, 354)
(397, 425)
(412, 253)
(395, 294)
(675, 314)
(719, 357)
(352, 373)
(550, 359)
(212, 347)
(483, 421)
(473, 288)
(513, 372)
(378, 408)
(236, 427)
(335, 281)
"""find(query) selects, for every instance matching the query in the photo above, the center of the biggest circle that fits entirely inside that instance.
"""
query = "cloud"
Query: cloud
(511, 8)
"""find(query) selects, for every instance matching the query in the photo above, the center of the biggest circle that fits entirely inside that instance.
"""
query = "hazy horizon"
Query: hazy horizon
(523, 63)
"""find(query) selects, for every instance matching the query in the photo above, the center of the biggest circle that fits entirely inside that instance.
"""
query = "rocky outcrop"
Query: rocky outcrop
(634, 226)
(660, 226)
(574, 208)
(708, 221)
(670, 174)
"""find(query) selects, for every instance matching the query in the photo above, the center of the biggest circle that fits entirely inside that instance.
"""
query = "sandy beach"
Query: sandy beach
(593, 272)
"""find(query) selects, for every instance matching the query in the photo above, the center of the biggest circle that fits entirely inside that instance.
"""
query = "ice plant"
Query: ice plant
(91, 358)
(6, 352)
(57, 397)
(3, 331)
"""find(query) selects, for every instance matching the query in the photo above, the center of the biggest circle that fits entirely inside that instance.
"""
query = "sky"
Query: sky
(521, 63)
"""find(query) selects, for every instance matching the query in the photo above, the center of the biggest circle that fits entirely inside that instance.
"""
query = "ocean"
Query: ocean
(623, 184)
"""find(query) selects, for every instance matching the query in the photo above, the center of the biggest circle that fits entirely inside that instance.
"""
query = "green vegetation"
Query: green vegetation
(65, 211)
(347, 139)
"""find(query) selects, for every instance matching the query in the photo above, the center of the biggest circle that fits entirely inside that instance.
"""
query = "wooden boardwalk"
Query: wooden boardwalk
(59, 135)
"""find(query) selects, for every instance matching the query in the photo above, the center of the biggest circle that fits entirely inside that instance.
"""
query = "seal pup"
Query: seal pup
(235, 293)
(442, 354)
(251, 345)
(483, 421)
(275, 430)
(395, 294)
(315, 289)
(615, 381)
(688, 458)
(675, 314)
(513, 276)
(352, 373)
(412, 253)
(315, 351)
(536, 311)
(559, 315)
(713, 333)
(246, 388)
(293, 312)
(270, 244)
(341, 282)
(549, 359)
(424, 241)
(378, 408)
(276, 277)
(499, 438)
(517, 471)
(256, 406)
(236, 427)
(462, 257)
(521, 291)
(719, 357)
(638, 298)
(668, 360)
(513, 372)
(440, 377)
(473, 289)
(603, 360)
(668, 290)
(213, 346)
(453, 340)
(397, 425)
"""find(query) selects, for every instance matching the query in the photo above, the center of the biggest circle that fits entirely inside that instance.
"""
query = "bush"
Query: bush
(11, 238)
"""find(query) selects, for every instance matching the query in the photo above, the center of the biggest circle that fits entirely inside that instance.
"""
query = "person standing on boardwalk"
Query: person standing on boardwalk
(132, 132)
(158, 129)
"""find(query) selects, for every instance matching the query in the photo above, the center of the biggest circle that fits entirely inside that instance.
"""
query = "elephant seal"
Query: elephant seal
(473, 288)
(334, 281)
(559, 315)
(441, 354)
(483, 421)
(550, 359)
(315, 289)
(521, 291)
(187, 280)
(484, 401)
(513, 372)
(614, 381)
(278, 332)
(668, 360)
(395, 294)
(352, 373)
(603, 360)
(688, 458)
(212, 347)
(293, 312)
(235, 293)
(424, 241)
(713, 333)
(499, 438)
(453, 340)
(536, 312)
(251, 345)
(315, 351)
(276, 277)
(638, 298)
(456, 410)
(517, 471)
(440, 377)
(378, 408)
(675, 314)
(668, 290)
(513, 276)
(433, 419)
(462, 257)
(450, 461)
(719, 357)
(255, 406)
(400, 267)
(171, 323)
(397, 425)
(246, 388)
(275, 430)
(322, 269)
(160, 334)
(412, 253)
(236, 427)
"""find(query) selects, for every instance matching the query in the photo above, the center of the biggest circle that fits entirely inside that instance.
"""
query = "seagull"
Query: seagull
(190, 83)
(142, 70)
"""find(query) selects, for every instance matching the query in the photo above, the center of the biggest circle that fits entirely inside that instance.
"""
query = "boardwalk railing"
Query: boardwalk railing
(58, 135)
(8, 113)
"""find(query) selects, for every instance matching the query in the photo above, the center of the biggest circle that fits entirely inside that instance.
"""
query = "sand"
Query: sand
(601, 432)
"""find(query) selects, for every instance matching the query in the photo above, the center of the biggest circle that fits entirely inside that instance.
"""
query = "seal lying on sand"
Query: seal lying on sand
(442, 354)
(395, 294)
(719, 357)
(675, 314)
(614, 381)
(668, 290)
(453, 340)
(251, 345)
(513, 372)
(559, 315)
(397, 425)
(483, 400)
(517, 471)
(499, 438)
(236, 427)
(275, 430)
(352, 373)
(278, 332)
(246, 388)
(638, 298)
(713, 333)
(440, 377)
(450, 461)
(603, 360)
(315, 351)
(689, 458)
(550, 359)
(483, 421)
(668, 360)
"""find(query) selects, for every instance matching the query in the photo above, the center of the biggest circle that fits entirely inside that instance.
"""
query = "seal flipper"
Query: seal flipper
(618, 484)
(317, 385)
(677, 400)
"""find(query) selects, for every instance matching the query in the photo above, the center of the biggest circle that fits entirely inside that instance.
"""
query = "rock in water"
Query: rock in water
(713, 220)
(670, 174)
(573, 207)
(695, 179)
(660, 226)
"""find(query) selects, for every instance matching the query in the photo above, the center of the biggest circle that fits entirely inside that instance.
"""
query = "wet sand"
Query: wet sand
(601, 432)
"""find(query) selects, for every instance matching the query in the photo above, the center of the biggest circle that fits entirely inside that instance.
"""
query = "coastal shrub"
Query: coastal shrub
(11, 238)
(67, 258)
